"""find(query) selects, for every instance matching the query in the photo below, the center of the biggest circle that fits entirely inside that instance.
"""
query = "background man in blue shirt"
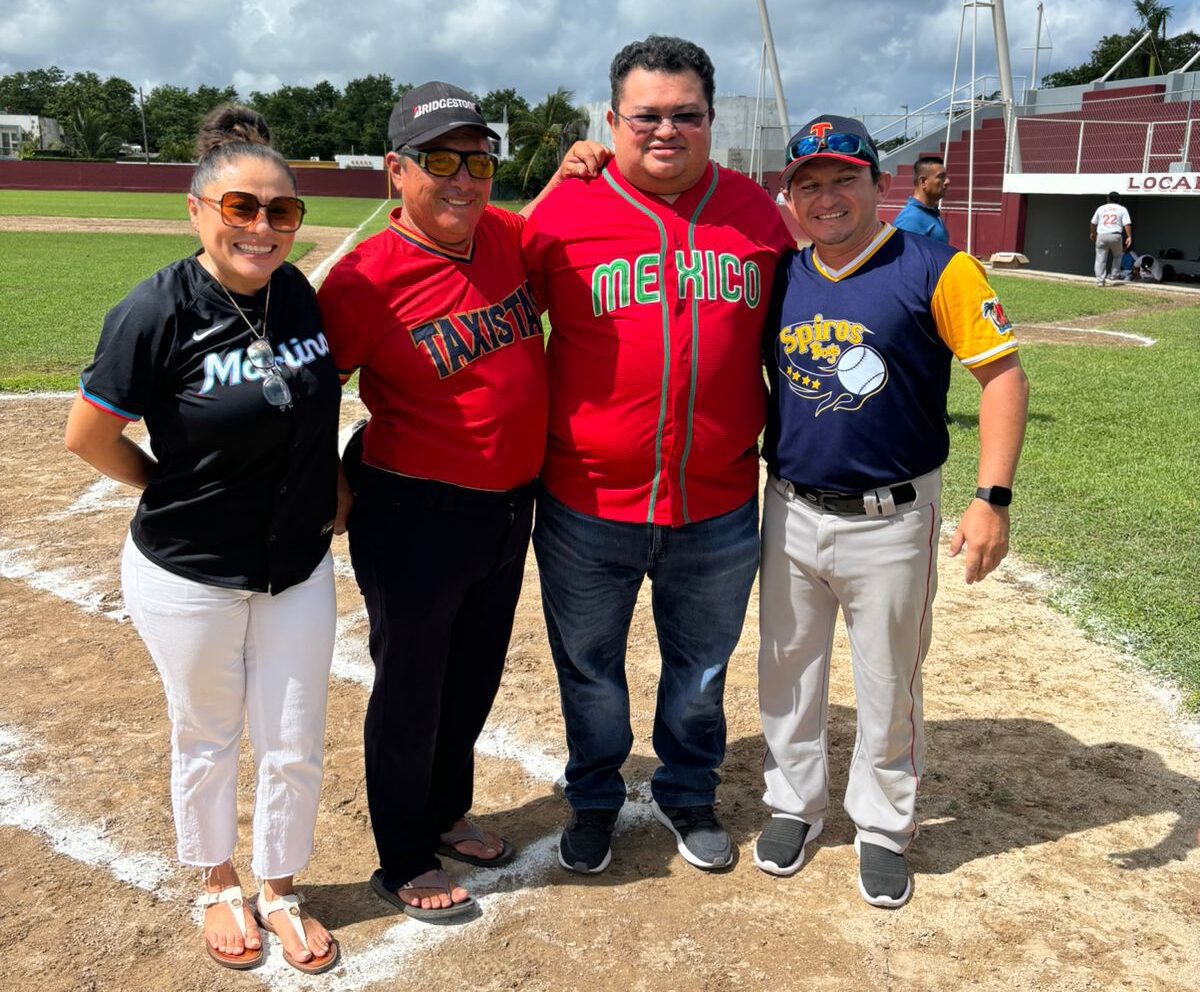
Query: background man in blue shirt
(921, 215)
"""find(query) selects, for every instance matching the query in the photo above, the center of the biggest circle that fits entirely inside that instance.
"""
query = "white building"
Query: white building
(15, 128)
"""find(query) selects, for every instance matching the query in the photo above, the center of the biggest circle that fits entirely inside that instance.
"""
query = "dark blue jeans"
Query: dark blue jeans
(591, 570)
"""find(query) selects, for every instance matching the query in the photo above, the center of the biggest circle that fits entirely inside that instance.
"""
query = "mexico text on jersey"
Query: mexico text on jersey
(656, 313)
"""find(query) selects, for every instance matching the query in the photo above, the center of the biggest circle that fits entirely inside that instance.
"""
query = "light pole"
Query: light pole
(905, 106)
(145, 140)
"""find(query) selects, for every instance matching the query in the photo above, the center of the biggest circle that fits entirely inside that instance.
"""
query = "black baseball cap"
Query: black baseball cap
(430, 110)
(817, 133)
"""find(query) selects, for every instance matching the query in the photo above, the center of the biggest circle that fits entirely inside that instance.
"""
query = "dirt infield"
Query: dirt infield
(1058, 809)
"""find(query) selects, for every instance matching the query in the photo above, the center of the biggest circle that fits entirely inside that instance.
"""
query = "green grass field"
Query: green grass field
(55, 290)
(1104, 500)
(328, 211)
(1104, 503)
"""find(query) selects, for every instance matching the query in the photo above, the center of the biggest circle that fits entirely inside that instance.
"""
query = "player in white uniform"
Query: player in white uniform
(1112, 232)
(858, 348)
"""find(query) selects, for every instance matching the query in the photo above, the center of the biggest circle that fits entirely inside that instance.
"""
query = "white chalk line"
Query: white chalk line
(379, 961)
(1126, 335)
(322, 270)
(23, 805)
(16, 397)
(103, 494)
(75, 585)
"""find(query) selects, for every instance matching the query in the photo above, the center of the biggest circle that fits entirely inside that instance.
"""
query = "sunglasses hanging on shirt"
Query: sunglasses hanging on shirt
(262, 356)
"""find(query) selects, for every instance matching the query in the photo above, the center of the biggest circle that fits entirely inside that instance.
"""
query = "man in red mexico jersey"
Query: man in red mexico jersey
(657, 277)
(436, 314)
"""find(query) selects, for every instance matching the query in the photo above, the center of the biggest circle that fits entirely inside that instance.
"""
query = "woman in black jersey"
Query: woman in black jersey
(226, 571)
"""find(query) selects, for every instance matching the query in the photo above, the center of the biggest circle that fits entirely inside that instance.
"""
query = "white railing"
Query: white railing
(1175, 135)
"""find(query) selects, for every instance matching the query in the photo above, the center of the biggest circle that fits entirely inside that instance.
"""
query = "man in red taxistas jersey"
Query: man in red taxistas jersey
(657, 276)
(436, 315)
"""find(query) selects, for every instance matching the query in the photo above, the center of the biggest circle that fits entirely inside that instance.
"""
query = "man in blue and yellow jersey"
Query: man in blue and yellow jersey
(859, 344)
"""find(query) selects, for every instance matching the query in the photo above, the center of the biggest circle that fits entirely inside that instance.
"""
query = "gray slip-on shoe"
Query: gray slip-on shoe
(882, 875)
(779, 849)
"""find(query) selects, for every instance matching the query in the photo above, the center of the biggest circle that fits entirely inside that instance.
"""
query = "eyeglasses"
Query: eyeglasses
(275, 387)
(445, 162)
(285, 214)
(838, 143)
(649, 123)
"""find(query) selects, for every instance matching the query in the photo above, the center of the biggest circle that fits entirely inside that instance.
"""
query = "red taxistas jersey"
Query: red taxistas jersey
(450, 351)
(655, 358)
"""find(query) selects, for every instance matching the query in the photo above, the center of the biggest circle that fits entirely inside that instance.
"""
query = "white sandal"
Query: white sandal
(290, 904)
(232, 896)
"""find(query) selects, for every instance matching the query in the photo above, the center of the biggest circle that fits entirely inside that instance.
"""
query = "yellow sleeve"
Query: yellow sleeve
(968, 314)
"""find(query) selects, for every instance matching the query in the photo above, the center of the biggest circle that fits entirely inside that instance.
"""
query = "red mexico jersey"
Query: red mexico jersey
(450, 352)
(655, 358)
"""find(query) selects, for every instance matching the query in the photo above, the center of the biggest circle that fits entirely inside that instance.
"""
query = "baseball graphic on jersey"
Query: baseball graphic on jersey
(851, 372)
(861, 371)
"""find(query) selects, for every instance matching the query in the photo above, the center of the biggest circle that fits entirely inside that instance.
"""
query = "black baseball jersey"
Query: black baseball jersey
(244, 493)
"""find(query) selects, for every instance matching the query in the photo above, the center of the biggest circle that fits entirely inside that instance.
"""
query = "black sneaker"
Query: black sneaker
(882, 875)
(779, 849)
(699, 836)
(585, 845)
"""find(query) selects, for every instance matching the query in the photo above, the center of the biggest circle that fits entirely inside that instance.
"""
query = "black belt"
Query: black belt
(834, 502)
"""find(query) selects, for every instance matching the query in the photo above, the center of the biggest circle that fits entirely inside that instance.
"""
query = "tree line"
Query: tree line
(1157, 55)
(98, 116)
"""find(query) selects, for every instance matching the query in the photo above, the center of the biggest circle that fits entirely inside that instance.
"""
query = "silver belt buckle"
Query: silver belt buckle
(879, 503)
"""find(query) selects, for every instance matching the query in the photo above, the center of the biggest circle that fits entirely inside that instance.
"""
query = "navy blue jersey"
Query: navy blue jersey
(859, 360)
(243, 493)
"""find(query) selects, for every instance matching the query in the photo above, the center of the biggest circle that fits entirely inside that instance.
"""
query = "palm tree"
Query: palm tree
(1153, 16)
(542, 135)
(88, 134)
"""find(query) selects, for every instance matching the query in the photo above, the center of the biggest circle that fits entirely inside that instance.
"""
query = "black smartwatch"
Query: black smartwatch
(996, 495)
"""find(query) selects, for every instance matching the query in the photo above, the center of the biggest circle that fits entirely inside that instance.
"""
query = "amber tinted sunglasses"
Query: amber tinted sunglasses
(445, 162)
(285, 214)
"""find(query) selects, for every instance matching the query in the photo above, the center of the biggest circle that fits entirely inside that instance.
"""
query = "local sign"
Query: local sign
(1163, 182)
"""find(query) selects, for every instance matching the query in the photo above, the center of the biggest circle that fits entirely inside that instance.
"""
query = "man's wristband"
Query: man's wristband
(996, 495)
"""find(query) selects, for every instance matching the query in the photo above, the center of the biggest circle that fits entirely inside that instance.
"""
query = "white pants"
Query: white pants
(882, 573)
(228, 657)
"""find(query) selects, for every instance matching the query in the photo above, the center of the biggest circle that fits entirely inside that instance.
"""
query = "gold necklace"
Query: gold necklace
(266, 306)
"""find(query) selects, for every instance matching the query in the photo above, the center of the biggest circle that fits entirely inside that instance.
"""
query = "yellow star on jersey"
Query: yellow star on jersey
(808, 381)
(795, 375)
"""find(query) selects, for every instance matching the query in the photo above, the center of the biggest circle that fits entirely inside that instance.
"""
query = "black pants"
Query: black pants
(440, 569)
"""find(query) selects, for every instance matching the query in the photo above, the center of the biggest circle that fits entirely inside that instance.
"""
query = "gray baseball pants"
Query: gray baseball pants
(1109, 248)
(881, 571)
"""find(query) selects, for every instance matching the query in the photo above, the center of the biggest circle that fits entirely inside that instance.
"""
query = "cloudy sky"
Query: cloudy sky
(862, 57)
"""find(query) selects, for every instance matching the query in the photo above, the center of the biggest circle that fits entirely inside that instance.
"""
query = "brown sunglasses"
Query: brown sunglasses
(285, 214)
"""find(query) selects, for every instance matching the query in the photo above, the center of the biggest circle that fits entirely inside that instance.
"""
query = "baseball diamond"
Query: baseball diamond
(1057, 809)
(1052, 795)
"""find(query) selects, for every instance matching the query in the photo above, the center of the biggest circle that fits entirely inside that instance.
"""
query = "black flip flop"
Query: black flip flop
(507, 853)
(416, 912)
